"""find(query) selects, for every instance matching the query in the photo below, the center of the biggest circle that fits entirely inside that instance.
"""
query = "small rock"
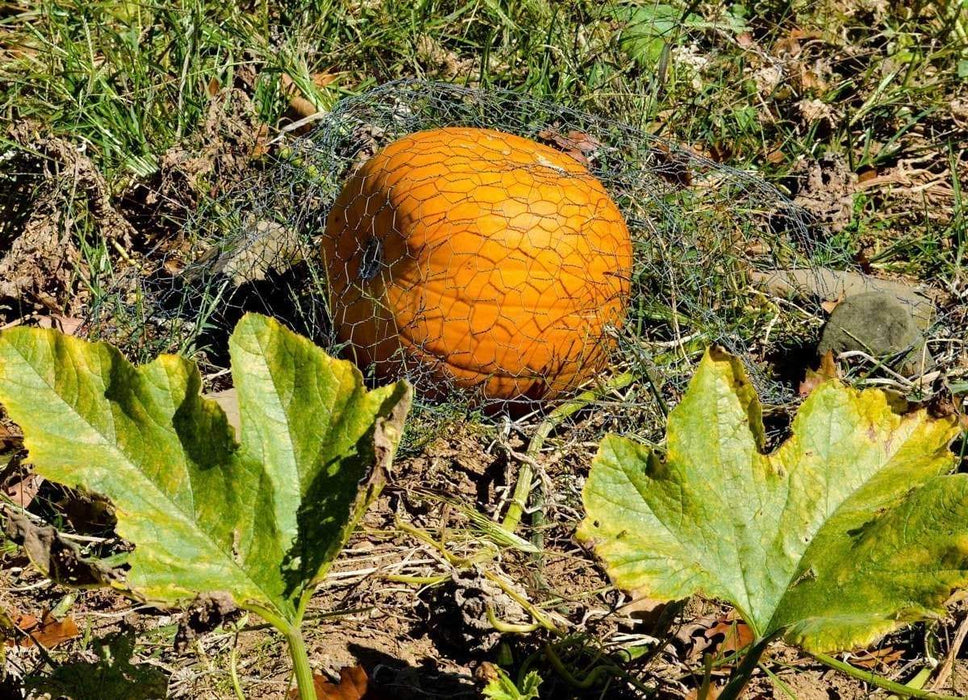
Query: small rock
(878, 324)
(836, 285)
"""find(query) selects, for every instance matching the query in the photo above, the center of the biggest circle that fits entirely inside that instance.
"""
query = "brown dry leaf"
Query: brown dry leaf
(58, 558)
(10, 436)
(736, 634)
(297, 102)
(877, 657)
(48, 631)
(645, 610)
(745, 40)
(577, 144)
(260, 139)
(776, 156)
(23, 490)
(815, 377)
(791, 43)
(811, 80)
(673, 166)
(324, 79)
(829, 305)
(486, 672)
(68, 325)
(721, 634)
(353, 685)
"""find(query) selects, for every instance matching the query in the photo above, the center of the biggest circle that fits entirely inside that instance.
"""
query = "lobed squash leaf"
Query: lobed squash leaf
(853, 527)
(257, 516)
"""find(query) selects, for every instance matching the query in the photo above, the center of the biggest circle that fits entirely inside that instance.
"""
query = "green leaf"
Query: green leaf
(503, 688)
(647, 29)
(847, 531)
(258, 519)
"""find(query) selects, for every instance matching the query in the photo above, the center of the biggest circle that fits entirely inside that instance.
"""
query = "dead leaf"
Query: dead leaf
(829, 305)
(486, 672)
(721, 634)
(10, 437)
(577, 144)
(776, 156)
(260, 142)
(736, 634)
(56, 557)
(811, 80)
(68, 325)
(645, 610)
(672, 165)
(815, 377)
(353, 685)
(23, 490)
(324, 79)
(297, 101)
(877, 657)
(792, 43)
(48, 632)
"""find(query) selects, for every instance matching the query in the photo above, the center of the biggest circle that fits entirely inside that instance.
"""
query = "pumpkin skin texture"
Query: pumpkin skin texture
(480, 259)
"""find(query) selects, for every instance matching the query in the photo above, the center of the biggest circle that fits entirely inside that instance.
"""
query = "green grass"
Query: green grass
(128, 80)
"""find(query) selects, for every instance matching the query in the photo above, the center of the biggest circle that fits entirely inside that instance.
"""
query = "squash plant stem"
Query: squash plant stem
(300, 664)
(740, 678)
(879, 681)
(522, 489)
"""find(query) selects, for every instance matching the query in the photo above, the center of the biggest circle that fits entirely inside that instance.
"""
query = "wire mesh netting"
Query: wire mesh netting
(491, 248)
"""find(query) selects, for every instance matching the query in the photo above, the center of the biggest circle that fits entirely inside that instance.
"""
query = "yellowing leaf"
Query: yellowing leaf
(258, 518)
(850, 529)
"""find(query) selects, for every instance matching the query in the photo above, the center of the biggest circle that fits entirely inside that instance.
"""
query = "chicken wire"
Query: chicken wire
(706, 238)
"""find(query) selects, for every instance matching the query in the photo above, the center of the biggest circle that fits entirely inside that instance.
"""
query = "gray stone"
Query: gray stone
(835, 285)
(880, 325)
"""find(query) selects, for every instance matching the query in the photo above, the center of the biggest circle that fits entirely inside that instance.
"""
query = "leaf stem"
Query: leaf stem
(300, 664)
(234, 669)
(879, 681)
(297, 649)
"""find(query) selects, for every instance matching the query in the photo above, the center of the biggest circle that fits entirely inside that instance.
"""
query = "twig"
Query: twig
(944, 670)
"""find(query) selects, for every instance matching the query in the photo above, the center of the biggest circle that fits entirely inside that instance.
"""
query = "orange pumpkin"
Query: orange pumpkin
(485, 260)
